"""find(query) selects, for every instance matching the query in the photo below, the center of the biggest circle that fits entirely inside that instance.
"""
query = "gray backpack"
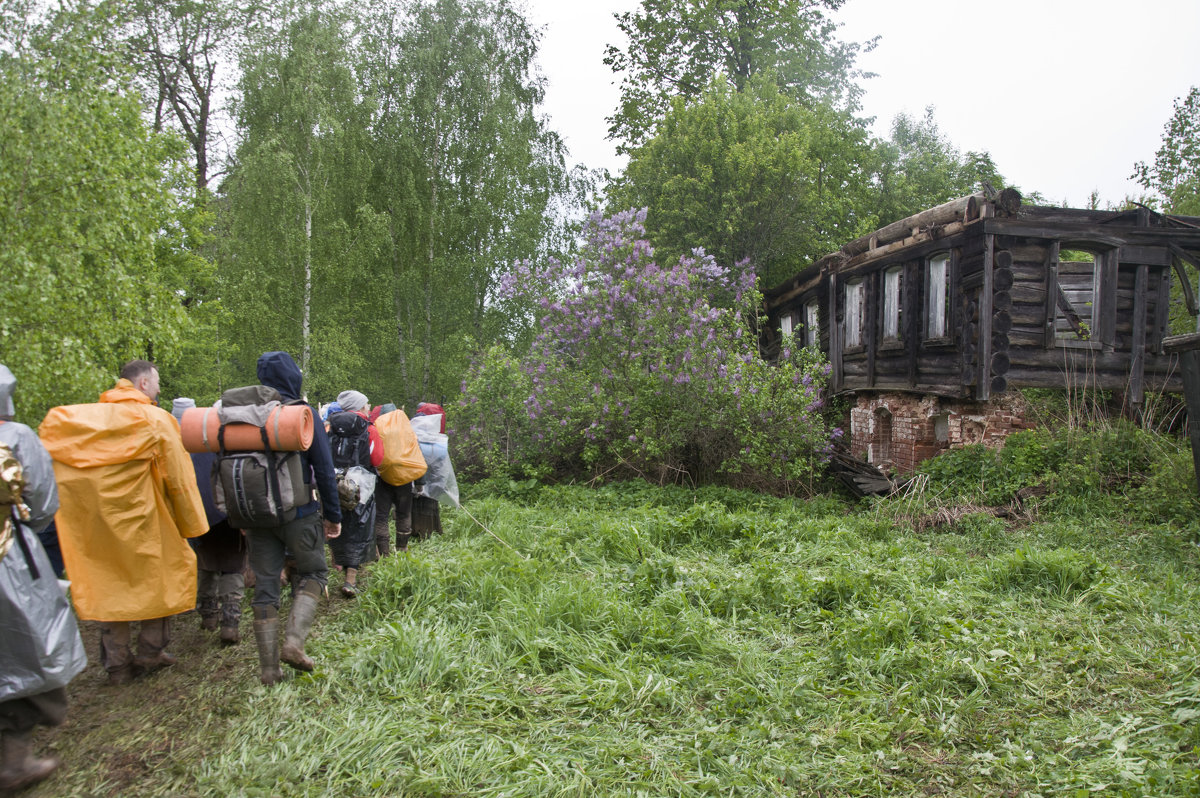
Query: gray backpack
(256, 489)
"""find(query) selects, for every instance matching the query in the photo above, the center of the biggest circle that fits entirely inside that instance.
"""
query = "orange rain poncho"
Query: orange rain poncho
(128, 500)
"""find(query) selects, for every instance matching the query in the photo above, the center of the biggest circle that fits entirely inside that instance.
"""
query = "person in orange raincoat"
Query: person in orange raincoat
(128, 501)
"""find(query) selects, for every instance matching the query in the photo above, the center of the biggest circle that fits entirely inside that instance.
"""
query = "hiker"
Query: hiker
(357, 449)
(389, 497)
(42, 649)
(302, 538)
(220, 553)
(426, 513)
(129, 501)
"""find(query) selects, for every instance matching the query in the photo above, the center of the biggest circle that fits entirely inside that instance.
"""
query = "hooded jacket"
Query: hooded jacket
(128, 500)
(277, 370)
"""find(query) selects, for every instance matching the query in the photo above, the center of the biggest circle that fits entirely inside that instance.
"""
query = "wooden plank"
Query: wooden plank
(1108, 300)
(946, 213)
(873, 301)
(835, 336)
(984, 346)
(1138, 345)
(1143, 254)
(1025, 294)
(912, 315)
(1162, 311)
(1051, 308)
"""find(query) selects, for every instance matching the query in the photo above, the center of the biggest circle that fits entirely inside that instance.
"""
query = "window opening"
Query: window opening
(892, 284)
(855, 309)
(937, 295)
(812, 324)
(1075, 309)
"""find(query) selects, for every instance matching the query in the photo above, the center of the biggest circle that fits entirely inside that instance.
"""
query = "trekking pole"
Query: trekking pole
(484, 527)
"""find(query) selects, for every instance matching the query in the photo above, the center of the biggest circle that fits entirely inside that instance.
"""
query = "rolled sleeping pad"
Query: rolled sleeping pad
(289, 429)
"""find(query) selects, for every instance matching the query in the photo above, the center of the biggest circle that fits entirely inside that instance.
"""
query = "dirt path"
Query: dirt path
(137, 738)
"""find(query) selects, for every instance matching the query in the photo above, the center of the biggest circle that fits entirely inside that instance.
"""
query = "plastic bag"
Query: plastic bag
(42, 649)
(439, 481)
(356, 486)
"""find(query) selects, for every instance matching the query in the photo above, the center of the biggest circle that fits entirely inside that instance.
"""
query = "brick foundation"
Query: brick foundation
(897, 431)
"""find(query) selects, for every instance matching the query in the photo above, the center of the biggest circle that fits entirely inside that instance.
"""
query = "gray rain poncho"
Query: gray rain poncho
(42, 649)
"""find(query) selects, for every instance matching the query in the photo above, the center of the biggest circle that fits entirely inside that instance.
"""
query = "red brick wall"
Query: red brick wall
(897, 431)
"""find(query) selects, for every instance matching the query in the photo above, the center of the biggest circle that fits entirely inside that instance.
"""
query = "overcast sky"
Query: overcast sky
(1066, 95)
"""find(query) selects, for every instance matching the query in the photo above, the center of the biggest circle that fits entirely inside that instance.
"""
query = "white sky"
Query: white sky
(1066, 95)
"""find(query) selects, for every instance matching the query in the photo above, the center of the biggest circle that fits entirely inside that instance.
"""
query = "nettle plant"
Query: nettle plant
(635, 367)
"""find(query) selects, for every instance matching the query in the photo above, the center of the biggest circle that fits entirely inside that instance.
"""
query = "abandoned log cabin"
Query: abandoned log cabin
(930, 322)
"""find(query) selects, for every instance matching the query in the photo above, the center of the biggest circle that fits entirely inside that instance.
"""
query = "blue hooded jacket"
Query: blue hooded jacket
(277, 370)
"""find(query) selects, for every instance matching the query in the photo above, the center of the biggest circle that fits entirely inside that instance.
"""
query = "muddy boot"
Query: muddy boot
(383, 545)
(402, 541)
(18, 766)
(153, 638)
(266, 634)
(231, 590)
(115, 653)
(300, 620)
(206, 597)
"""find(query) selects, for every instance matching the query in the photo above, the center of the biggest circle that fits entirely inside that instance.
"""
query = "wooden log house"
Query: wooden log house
(930, 322)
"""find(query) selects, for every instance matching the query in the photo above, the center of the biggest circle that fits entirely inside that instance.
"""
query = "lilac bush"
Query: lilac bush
(634, 370)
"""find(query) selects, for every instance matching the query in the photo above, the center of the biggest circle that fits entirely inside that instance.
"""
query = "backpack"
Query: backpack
(12, 483)
(350, 444)
(402, 458)
(261, 488)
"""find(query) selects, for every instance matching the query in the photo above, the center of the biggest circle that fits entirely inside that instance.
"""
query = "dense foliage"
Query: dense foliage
(97, 224)
(634, 368)
(675, 47)
(752, 176)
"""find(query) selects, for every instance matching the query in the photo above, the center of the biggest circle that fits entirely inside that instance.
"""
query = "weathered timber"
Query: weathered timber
(952, 211)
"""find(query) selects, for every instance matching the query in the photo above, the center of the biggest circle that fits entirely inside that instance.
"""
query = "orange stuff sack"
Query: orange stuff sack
(289, 429)
(402, 459)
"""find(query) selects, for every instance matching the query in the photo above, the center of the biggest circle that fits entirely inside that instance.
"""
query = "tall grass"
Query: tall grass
(660, 641)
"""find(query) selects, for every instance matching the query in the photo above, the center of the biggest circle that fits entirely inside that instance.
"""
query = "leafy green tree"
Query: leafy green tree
(93, 212)
(676, 47)
(751, 176)
(465, 172)
(1175, 172)
(302, 239)
(919, 168)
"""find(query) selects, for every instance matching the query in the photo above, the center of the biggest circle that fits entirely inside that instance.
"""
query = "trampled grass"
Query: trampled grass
(646, 641)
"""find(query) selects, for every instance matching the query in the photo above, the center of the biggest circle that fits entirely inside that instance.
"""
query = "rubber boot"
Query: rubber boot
(300, 621)
(383, 545)
(206, 595)
(266, 634)
(231, 591)
(18, 766)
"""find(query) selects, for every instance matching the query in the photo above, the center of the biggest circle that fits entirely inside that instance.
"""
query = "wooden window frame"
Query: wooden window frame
(812, 323)
(892, 314)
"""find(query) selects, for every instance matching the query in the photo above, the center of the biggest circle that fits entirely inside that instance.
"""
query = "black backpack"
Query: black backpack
(256, 489)
(350, 440)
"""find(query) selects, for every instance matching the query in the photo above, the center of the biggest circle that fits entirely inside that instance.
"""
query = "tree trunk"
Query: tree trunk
(306, 323)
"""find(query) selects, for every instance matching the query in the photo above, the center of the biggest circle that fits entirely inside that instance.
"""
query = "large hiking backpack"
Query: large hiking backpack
(261, 488)
(350, 443)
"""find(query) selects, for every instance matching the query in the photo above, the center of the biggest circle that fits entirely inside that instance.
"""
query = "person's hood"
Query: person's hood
(277, 370)
(124, 391)
(353, 401)
(8, 384)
